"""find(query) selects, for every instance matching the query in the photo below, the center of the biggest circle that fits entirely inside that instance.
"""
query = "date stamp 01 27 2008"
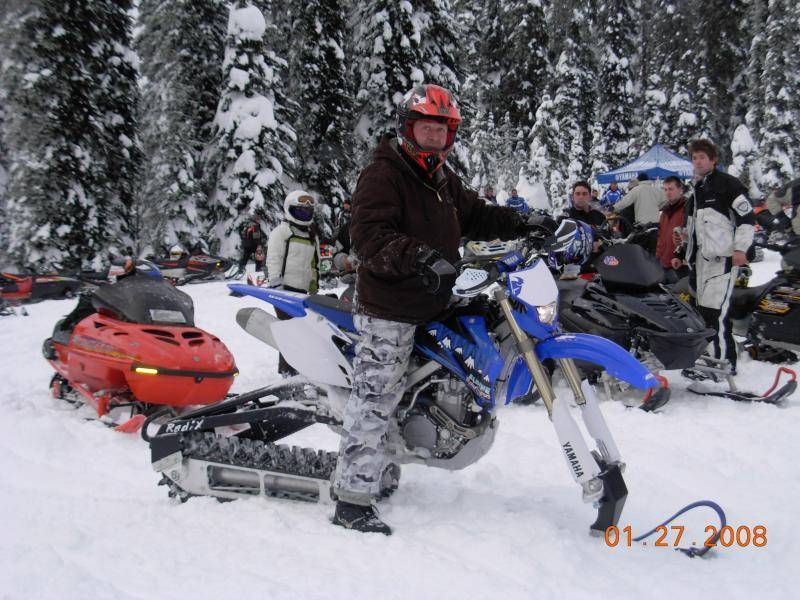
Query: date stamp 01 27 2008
(742, 536)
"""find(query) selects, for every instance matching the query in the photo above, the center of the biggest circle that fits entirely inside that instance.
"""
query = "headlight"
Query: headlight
(547, 313)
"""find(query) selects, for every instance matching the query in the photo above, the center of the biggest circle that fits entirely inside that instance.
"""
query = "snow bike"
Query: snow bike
(626, 301)
(131, 349)
(481, 354)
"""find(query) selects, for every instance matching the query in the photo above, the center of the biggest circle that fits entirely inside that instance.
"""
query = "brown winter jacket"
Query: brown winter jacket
(396, 211)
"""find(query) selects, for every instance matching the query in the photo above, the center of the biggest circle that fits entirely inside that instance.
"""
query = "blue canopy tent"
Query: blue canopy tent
(658, 163)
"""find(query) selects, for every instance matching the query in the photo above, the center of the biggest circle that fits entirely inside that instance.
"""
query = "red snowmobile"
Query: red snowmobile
(131, 349)
(28, 287)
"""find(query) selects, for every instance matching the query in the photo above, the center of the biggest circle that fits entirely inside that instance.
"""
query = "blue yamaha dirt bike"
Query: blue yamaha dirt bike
(500, 341)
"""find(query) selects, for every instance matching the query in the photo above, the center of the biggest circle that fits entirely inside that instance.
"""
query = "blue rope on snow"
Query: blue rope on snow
(692, 552)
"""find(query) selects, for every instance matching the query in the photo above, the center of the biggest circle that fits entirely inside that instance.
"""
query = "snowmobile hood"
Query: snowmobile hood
(629, 267)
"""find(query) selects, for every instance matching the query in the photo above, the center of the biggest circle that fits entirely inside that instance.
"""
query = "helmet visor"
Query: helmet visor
(302, 213)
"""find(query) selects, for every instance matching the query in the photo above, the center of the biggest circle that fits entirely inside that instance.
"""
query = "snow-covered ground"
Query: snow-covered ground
(83, 517)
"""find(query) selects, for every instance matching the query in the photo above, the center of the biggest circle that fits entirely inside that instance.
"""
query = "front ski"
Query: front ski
(776, 397)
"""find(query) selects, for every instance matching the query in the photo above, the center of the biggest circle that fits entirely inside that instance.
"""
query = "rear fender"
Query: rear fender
(600, 351)
(291, 303)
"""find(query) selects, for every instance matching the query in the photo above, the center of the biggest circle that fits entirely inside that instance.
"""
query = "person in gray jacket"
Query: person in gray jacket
(646, 199)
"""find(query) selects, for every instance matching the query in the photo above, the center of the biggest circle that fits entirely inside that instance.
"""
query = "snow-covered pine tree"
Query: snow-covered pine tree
(729, 65)
(71, 81)
(566, 109)
(615, 91)
(180, 45)
(721, 51)
(756, 22)
(8, 16)
(655, 40)
(780, 130)
(690, 108)
(441, 38)
(745, 164)
(516, 65)
(320, 86)
(385, 63)
(473, 137)
(574, 102)
(545, 147)
(253, 147)
(483, 153)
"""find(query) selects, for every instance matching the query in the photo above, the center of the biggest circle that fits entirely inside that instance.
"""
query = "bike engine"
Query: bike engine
(441, 418)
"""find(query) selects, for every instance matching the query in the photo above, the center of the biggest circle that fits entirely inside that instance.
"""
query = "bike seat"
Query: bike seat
(337, 311)
(570, 290)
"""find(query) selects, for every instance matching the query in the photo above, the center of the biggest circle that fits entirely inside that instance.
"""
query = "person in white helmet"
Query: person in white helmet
(293, 254)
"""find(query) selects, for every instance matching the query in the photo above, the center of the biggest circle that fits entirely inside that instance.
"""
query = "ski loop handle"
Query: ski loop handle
(692, 552)
(792, 377)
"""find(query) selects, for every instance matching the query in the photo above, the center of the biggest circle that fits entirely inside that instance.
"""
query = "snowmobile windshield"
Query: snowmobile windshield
(628, 267)
(141, 299)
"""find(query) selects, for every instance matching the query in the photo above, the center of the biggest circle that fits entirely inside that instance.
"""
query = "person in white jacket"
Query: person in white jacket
(293, 254)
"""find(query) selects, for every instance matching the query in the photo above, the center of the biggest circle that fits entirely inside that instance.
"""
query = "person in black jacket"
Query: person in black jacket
(252, 237)
(581, 209)
(720, 223)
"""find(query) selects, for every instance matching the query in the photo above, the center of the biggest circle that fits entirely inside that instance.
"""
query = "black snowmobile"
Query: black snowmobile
(768, 315)
(626, 301)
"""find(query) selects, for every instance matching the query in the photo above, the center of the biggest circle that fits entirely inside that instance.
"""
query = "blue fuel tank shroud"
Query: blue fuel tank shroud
(289, 302)
(476, 361)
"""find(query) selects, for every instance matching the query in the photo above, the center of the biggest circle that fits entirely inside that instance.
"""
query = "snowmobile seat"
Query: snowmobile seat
(570, 290)
(337, 311)
(743, 300)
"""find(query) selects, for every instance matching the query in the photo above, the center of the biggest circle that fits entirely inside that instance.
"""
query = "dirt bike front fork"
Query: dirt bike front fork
(599, 472)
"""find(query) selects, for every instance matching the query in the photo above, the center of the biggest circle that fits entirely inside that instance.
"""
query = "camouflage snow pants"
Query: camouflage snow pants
(379, 370)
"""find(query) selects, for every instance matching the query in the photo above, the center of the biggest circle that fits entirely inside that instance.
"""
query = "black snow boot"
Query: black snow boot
(359, 518)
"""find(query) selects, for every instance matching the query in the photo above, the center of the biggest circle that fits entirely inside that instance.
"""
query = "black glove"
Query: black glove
(780, 222)
(536, 225)
(434, 269)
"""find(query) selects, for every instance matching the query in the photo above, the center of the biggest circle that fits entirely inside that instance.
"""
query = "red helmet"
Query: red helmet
(427, 102)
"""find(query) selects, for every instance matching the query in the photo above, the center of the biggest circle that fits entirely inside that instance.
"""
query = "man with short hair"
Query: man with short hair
(581, 209)
(720, 224)
(490, 196)
(672, 216)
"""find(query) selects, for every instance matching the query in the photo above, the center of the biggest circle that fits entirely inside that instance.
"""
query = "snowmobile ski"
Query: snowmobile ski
(776, 397)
